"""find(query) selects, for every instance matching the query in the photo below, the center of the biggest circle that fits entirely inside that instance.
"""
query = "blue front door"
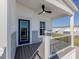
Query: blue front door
(24, 31)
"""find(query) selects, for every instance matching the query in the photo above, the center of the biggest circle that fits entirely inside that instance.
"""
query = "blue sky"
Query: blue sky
(65, 21)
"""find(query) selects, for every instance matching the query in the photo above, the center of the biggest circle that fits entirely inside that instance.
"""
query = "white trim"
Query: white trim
(30, 33)
(17, 45)
(23, 44)
(47, 45)
(41, 36)
(59, 5)
(71, 3)
(72, 30)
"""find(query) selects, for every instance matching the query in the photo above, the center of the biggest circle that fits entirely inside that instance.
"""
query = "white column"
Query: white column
(11, 29)
(72, 30)
(3, 24)
(47, 45)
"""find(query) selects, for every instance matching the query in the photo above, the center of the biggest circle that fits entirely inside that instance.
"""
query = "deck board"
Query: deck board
(26, 51)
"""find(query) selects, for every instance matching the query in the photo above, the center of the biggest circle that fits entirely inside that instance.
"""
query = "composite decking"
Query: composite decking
(26, 51)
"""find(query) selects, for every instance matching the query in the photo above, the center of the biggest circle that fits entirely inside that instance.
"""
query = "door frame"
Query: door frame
(23, 43)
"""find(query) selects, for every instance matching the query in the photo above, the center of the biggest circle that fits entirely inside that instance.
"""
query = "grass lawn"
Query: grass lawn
(56, 35)
(61, 37)
(76, 40)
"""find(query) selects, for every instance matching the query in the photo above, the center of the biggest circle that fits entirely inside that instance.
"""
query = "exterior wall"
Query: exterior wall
(25, 13)
(15, 11)
(70, 55)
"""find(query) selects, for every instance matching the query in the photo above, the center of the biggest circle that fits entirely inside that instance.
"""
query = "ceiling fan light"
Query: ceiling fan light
(43, 11)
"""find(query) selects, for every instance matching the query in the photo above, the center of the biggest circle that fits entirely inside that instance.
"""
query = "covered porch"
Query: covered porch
(49, 47)
(39, 47)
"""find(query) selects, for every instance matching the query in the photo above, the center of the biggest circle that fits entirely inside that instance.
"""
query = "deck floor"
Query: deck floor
(26, 51)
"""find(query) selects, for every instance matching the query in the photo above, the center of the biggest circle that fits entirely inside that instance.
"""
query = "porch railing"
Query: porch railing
(58, 43)
(39, 53)
(36, 53)
(51, 45)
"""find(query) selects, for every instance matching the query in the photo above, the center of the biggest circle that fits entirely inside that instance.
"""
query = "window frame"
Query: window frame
(42, 27)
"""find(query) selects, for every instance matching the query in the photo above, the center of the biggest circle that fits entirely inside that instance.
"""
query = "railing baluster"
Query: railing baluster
(36, 53)
(59, 43)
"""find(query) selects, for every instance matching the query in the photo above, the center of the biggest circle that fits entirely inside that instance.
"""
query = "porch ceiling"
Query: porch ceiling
(35, 5)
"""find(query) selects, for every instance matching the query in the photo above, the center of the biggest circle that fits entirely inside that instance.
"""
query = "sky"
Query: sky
(65, 21)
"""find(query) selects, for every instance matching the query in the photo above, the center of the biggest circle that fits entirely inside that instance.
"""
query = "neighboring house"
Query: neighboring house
(22, 28)
(65, 30)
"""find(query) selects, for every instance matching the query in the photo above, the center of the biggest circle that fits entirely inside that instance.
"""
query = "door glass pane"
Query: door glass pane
(23, 30)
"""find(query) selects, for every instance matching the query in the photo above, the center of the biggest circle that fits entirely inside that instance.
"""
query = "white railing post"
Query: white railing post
(72, 30)
(47, 44)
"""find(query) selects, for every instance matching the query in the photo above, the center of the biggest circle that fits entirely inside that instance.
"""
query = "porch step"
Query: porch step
(26, 51)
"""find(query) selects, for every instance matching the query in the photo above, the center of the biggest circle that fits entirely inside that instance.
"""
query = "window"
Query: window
(42, 28)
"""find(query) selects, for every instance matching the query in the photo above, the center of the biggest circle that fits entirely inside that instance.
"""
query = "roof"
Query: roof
(71, 5)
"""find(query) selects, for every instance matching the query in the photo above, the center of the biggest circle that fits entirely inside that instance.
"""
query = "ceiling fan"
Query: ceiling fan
(44, 11)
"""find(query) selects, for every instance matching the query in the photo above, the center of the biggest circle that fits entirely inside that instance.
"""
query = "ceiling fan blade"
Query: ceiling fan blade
(40, 13)
(44, 11)
(48, 11)
(43, 7)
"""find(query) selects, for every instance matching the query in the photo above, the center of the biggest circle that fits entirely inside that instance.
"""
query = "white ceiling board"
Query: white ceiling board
(35, 5)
